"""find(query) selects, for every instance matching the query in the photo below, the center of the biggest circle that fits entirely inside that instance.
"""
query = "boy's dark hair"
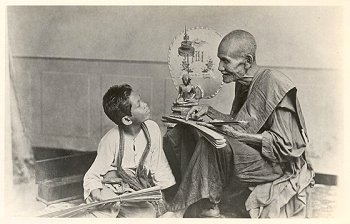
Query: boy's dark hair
(116, 102)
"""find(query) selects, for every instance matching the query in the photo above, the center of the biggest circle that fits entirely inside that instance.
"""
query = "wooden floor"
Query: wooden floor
(24, 203)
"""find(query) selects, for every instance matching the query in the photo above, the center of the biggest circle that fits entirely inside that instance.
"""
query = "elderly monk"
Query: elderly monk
(265, 150)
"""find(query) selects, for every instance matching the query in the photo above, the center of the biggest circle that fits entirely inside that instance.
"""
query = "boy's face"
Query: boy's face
(140, 111)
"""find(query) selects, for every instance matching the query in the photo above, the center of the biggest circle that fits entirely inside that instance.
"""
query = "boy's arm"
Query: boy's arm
(101, 165)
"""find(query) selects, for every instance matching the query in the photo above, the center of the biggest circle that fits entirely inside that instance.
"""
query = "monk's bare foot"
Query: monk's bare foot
(212, 212)
(175, 214)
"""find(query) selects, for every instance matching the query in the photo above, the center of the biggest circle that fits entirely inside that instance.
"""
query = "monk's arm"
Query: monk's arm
(250, 139)
(214, 114)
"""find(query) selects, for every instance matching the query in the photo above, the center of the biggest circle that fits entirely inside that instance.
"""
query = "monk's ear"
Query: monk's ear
(249, 61)
(126, 120)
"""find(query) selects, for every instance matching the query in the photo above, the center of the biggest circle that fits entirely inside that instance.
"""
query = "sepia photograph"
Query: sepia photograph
(174, 111)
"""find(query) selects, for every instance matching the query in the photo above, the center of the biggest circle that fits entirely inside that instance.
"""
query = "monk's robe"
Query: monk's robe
(277, 173)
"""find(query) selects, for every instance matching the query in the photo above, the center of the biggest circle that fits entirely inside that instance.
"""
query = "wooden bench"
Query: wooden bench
(59, 173)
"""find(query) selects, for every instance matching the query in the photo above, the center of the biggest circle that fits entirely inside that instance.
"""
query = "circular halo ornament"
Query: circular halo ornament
(193, 53)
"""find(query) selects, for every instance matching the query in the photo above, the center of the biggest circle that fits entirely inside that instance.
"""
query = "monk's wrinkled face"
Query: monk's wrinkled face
(231, 66)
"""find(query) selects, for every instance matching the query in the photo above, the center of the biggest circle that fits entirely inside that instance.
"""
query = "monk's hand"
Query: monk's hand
(227, 129)
(197, 111)
(205, 124)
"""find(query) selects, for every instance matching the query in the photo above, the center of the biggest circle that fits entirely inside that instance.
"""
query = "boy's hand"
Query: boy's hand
(96, 195)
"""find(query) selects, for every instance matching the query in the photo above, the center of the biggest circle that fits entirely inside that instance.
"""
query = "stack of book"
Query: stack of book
(216, 139)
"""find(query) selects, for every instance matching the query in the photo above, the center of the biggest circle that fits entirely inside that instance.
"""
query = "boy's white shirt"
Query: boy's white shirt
(108, 149)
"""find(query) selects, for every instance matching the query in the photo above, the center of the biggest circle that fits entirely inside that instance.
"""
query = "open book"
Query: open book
(212, 136)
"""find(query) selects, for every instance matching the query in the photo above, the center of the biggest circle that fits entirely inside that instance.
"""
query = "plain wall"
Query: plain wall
(66, 57)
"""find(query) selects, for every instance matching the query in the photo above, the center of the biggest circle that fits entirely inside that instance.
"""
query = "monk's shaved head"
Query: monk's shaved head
(238, 43)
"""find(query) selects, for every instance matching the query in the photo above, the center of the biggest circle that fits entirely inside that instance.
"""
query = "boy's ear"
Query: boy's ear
(126, 120)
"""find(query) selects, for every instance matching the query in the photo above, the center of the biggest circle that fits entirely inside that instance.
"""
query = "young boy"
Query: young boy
(129, 157)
